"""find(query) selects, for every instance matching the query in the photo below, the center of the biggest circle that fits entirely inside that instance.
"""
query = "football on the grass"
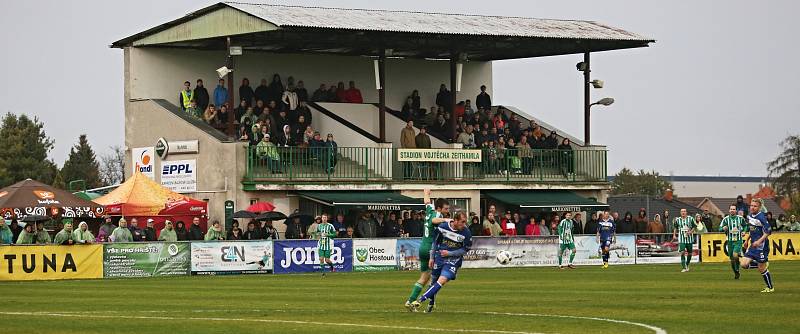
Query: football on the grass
(504, 257)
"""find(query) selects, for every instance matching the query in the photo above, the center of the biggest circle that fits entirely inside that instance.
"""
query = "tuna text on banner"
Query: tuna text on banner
(51, 262)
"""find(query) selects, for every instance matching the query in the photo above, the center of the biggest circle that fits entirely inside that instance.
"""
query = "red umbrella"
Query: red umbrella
(259, 207)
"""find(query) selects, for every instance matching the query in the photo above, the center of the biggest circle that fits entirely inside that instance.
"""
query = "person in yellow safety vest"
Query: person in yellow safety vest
(185, 96)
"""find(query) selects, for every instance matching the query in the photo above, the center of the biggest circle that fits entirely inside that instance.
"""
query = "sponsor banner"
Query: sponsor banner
(20, 263)
(144, 161)
(231, 257)
(660, 248)
(179, 176)
(438, 155)
(146, 259)
(530, 251)
(374, 254)
(408, 253)
(782, 246)
(298, 256)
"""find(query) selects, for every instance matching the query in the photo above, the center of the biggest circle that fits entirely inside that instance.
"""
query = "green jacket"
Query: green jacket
(26, 238)
(267, 149)
(214, 234)
(168, 235)
(82, 237)
(63, 236)
(122, 234)
(5, 234)
(42, 237)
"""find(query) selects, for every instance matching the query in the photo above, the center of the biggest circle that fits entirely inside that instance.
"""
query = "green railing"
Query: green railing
(370, 164)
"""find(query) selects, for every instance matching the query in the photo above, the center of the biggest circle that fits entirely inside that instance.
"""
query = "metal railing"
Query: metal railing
(372, 164)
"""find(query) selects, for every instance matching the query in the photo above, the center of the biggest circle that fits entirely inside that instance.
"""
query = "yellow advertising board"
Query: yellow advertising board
(782, 246)
(24, 263)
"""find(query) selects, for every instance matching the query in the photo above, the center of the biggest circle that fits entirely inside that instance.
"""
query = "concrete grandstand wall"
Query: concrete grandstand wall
(160, 73)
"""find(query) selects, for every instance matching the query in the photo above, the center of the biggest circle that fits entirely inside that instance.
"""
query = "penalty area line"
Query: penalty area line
(655, 329)
(296, 322)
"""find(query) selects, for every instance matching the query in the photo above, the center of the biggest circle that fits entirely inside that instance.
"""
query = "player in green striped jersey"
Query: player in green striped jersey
(566, 240)
(684, 226)
(734, 227)
(433, 216)
(325, 233)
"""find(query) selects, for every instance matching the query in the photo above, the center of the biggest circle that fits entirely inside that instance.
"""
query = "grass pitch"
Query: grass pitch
(621, 299)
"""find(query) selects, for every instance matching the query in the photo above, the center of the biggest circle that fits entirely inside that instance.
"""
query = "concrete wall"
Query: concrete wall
(160, 73)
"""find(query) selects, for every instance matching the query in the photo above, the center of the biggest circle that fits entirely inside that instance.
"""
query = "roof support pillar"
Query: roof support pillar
(230, 128)
(382, 95)
(453, 122)
(587, 104)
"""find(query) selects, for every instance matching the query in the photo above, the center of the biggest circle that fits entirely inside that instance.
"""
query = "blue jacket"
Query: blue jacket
(220, 96)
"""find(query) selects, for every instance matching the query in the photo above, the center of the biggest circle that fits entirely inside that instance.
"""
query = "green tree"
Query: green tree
(58, 181)
(24, 147)
(639, 183)
(82, 164)
(784, 170)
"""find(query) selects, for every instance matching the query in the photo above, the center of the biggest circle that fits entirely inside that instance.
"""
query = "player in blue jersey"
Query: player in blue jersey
(758, 251)
(606, 233)
(451, 242)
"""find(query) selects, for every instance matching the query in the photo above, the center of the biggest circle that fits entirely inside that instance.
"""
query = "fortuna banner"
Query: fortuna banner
(21, 263)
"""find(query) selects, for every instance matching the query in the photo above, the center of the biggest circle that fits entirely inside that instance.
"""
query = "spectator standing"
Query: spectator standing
(268, 231)
(794, 225)
(121, 233)
(665, 219)
(276, 88)
(475, 226)
(519, 223)
(195, 232)
(236, 235)
(444, 99)
(532, 228)
(338, 224)
(107, 228)
(408, 140)
(655, 227)
(168, 233)
(251, 233)
(508, 226)
(286, 139)
(577, 223)
(467, 138)
(16, 229)
(246, 92)
(352, 94)
(150, 231)
(220, 93)
(201, 95)
(311, 231)
(640, 222)
(63, 237)
(626, 225)
(367, 227)
(700, 227)
(289, 99)
(180, 231)
(321, 94)
(422, 140)
(136, 232)
(392, 228)
(331, 153)
(591, 225)
(185, 96)
(483, 100)
(302, 92)
(414, 226)
(262, 92)
(82, 235)
(490, 226)
(295, 229)
(544, 230)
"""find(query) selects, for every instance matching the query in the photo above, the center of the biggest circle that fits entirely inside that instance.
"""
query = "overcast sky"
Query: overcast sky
(713, 96)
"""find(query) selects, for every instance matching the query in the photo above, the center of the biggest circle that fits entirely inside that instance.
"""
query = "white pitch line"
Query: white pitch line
(655, 329)
(297, 322)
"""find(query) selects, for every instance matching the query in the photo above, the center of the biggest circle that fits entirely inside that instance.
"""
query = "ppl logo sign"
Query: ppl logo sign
(295, 256)
(177, 169)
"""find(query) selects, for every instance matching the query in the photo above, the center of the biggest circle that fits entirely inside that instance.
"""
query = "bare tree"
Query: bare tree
(112, 166)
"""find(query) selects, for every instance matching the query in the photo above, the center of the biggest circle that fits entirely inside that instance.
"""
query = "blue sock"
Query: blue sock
(605, 257)
(767, 278)
(431, 293)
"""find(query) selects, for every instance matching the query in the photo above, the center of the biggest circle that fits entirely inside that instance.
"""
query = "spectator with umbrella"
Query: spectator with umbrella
(42, 237)
(27, 237)
(295, 228)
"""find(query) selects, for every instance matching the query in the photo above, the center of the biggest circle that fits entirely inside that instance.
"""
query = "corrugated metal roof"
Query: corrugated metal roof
(433, 23)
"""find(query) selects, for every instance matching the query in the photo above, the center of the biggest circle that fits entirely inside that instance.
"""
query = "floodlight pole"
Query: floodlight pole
(586, 97)
(231, 117)
(453, 122)
(382, 94)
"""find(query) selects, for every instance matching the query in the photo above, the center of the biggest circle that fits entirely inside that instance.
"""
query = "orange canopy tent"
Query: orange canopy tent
(140, 197)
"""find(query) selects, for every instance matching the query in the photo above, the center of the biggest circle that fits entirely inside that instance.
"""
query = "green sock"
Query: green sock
(560, 257)
(415, 292)
(688, 259)
(736, 264)
(571, 256)
(683, 261)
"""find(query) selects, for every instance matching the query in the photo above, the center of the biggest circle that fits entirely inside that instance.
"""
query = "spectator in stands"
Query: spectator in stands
(350, 233)
(655, 226)
(566, 158)
(626, 225)
(63, 237)
(185, 96)
(444, 99)
(408, 140)
(251, 233)
(268, 154)
(468, 110)
(490, 226)
(413, 226)
(741, 205)
(195, 232)
(332, 93)
(615, 218)
(429, 118)
(240, 110)
(249, 117)
(794, 225)
(577, 224)
(302, 92)
(498, 121)
(286, 138)
(222, 114)
(180, 231)
(150, 231)
(136, 232)
(194, 110)
(220, 93)
(27, 236)
(201, 95)
(408, 112)
(295, 229)
(107, 226)
(168, 233)
(246, 92)
(392, 227)
(332, 151)
(352, 94)
(82, 235)
(311, 231)
(467, 138)
(440, 125)
(532, 228)
(701, 225)
(210, 115)
(121, 233)
(591, 225)
(640, 222)
(321, 94)
(475, 226)
(422, 140)
(338, 225)
(551, 142)
(15, 228)
(340, 92)
(275, 88)
(367, 227)
(289, 98)
(215, 232)
(525, 155)
(234, 227)
(262, 92)
(483, 100)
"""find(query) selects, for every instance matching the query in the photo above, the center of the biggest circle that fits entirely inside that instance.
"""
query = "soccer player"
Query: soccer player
(734, 227)
(451, 242)
(433, 216)
(758, 251)
(566, 240)
(606, 233)
(325, 232)
(684, 227)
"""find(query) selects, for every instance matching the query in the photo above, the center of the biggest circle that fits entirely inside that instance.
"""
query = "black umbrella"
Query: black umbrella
(272, 215)
(244, 214)
(35, 218)
(305, 219)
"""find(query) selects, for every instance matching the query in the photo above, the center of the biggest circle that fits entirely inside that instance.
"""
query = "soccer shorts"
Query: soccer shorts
(325, 254)
(734, 248)
(570, 246)
(605, 244)
(758, 255)
(444, 267)
(686, 247)
(424, 257)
